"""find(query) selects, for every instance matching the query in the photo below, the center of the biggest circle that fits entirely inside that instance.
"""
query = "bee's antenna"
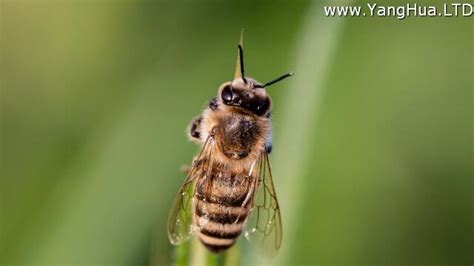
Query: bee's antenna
(277, 79)
(239, 68)
(241, 63)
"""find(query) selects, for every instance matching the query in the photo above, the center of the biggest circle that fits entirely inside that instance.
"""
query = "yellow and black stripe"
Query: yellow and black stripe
(220, 215)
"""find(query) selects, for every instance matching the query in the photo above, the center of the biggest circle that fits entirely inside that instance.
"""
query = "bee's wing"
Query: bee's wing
(180, 218)
(263, 227)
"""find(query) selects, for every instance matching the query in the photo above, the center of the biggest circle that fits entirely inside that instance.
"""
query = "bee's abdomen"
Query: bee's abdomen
(220, 213)
(219, 225)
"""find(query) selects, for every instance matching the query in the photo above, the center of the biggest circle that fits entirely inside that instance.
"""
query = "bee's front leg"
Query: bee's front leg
(195, 128)
(213, 104)
(195, 125)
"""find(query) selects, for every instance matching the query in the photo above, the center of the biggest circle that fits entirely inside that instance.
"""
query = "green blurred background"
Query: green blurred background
(373, 155)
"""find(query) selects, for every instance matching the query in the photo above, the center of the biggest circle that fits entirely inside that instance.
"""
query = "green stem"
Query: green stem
(198, 253)
(232, 256)
(182, 255)
(193, 253)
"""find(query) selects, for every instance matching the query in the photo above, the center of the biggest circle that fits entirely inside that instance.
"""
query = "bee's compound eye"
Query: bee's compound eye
(265, 105)
(227, 94)
(262, 107)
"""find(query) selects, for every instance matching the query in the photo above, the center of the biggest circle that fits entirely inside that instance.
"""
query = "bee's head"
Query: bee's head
(245, 92)
(249, 96)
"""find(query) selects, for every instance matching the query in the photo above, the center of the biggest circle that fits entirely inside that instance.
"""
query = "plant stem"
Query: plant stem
(232, 256)
(198, 253)
(193, 253)
(182, 255)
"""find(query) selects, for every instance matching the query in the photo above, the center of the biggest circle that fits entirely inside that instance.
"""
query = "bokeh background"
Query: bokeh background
(373, 152)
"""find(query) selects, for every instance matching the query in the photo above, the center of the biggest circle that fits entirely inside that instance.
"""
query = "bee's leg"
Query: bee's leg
(213, 104)
(194, 128)
(269, 147)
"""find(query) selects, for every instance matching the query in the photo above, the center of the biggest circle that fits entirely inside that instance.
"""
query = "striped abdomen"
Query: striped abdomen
(219, 211)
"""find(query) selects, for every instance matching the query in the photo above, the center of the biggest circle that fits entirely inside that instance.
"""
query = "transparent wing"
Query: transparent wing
(180, 218)
(263, 228)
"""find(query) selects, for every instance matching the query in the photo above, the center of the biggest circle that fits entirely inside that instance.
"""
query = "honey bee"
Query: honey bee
(229, 187)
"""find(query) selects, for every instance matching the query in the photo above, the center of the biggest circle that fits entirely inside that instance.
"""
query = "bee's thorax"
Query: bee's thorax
(239, 137)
